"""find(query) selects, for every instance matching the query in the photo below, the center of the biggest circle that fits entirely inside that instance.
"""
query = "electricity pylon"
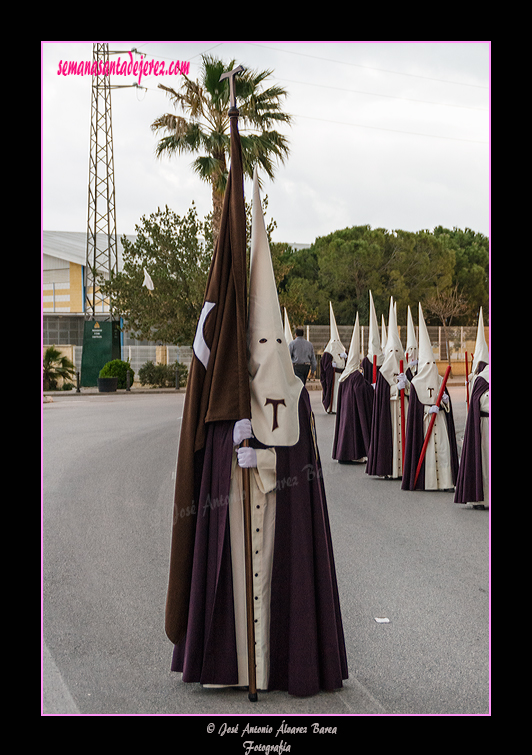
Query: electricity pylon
(102, 251)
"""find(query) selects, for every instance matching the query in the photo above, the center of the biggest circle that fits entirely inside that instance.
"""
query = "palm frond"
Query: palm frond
(205, 129)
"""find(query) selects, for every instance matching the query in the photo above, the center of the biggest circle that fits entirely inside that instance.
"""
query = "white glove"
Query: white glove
(247, 457)
(241, 431)
(401, 381)
(434, 409)
(344, 355)
(374, 385)
(445, 398)
(334, 364)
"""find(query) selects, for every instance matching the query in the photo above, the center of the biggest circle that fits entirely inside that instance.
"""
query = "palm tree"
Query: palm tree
(54, 367)
(206, 130)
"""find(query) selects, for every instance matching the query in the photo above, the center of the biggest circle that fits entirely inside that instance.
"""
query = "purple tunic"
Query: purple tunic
(469, 485)
(353, 418)
(307, 648)
(380, 453)
(367, 368)
(326, 378)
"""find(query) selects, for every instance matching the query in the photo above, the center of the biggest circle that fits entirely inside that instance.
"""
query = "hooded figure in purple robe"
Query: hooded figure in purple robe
(354, 408)
(299, 639)
(385, 450)
(440, 465)
(331, 366)
(472, 485)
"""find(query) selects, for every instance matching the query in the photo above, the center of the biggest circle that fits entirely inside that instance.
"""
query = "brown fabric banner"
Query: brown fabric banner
(218, 382)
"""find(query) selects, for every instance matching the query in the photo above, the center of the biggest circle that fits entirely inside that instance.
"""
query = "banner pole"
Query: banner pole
(246, 502)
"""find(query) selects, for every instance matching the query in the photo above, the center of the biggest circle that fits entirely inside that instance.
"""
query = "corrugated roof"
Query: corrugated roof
(72, 246)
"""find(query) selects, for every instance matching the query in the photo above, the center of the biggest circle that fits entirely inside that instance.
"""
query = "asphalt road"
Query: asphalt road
(417, 559)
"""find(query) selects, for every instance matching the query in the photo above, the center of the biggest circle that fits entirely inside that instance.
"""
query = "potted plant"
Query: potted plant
(113, 375)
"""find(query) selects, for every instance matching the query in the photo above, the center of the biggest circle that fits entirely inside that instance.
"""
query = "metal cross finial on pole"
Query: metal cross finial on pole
(231, 76)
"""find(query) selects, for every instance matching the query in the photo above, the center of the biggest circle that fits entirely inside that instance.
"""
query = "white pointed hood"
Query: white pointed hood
(374, 342)
(428, 380)
(481, 347)
(335, 346)
(353, 359)
(275, 389)
(147, 280)
(287, 329)
(393, 351)
(384, 336)
(411, 341)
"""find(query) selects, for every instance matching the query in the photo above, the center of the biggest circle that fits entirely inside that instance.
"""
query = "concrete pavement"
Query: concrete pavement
(417, 559)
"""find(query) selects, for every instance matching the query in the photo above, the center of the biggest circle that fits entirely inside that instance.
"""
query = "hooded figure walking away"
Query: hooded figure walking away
(354, 409)
(385, 450)
(287, 328)
(472, 485)
(440, 466)
(332, 366)
(375, 353)
(298, 634)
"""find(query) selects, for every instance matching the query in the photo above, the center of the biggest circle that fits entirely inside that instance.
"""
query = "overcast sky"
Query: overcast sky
(390, 134)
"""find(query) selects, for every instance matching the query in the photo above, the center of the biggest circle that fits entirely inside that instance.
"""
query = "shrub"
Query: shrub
(163, 375)
(55, 367)
(182, 371)
(118, 368)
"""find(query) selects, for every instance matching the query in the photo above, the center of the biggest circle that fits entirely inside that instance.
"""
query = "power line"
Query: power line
(393, 130)
(355, 125)
(372, 68)
(376, 94)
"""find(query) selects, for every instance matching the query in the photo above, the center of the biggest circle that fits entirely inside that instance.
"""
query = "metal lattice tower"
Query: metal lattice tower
(102, 252)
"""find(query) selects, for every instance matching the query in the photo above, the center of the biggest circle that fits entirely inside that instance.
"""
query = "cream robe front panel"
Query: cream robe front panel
(263, 503)
(397, 420)
(438, 470)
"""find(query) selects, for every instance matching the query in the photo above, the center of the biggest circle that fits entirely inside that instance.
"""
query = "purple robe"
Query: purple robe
(367, 368)
(352, 432)
(328, 376)
(380, 452)
(469, 485)
(414, 439)
(307, 648)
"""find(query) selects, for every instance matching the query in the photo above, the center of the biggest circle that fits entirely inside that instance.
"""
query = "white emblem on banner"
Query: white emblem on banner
(201, 350)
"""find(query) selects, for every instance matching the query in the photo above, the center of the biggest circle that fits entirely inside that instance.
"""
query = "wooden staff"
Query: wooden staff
(248, 557)
(467, 381)
(402, 419)
(246, 502)
(431, 425)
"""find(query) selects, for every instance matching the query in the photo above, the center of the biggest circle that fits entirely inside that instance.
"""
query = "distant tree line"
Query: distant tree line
(447, 270)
